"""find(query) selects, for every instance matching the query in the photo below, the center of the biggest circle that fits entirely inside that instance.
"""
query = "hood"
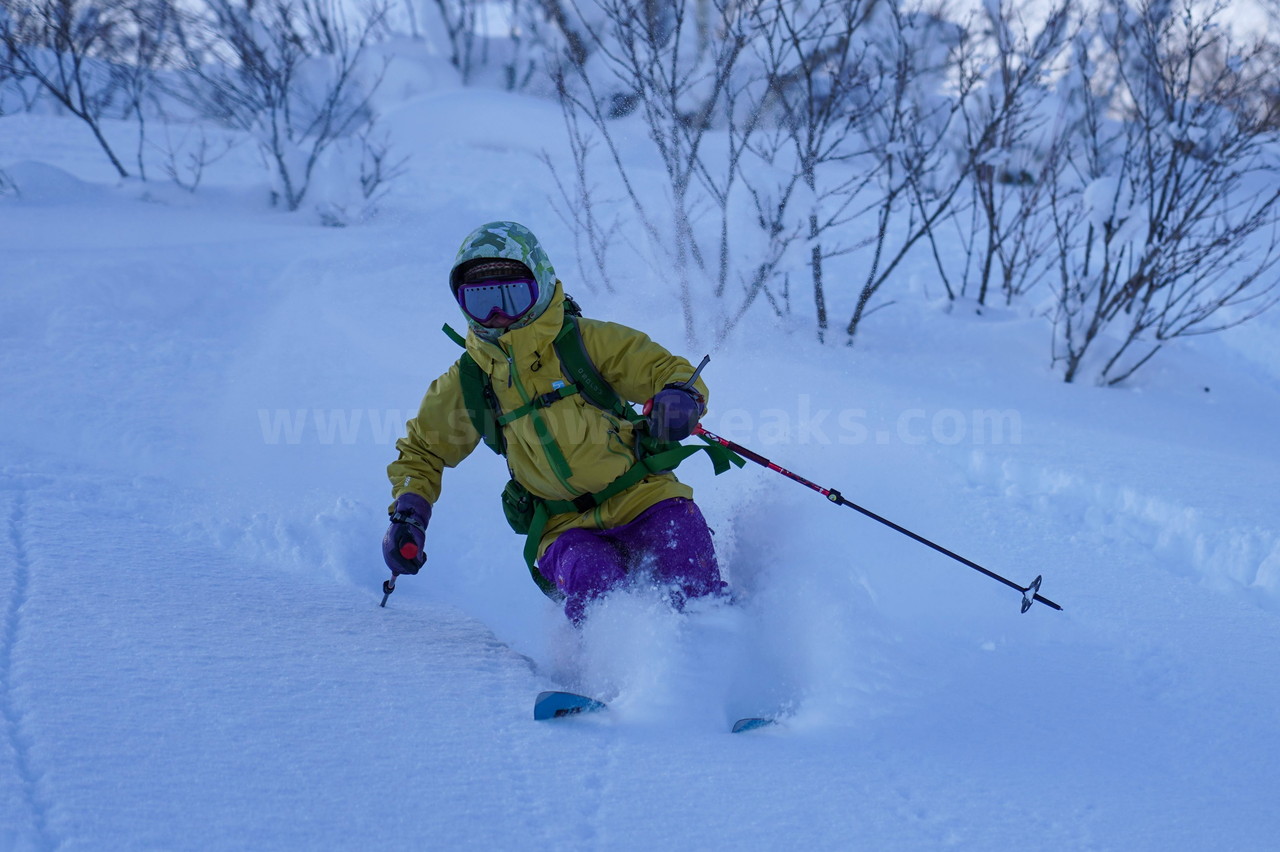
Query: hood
(511, 241)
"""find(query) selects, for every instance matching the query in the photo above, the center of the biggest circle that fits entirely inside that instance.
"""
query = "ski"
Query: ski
(555, 705)
(751, 723)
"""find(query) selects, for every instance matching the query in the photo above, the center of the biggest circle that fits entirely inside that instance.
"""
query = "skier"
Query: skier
(591, 483)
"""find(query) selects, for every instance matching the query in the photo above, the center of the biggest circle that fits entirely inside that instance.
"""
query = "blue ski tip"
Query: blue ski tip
(555, 705)
(750, 724)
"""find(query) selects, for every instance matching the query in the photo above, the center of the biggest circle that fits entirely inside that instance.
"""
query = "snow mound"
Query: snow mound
(42, 183)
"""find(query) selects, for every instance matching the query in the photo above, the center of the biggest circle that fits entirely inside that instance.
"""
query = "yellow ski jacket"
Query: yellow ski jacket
(597, 445)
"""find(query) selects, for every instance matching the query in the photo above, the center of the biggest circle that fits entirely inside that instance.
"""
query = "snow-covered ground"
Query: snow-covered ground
(200, 396)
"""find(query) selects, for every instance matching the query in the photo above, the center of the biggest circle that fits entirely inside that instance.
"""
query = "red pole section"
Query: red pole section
(829, 493)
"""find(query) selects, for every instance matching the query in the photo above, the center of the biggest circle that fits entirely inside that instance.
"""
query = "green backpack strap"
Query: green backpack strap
(478, 397)
(481, 403)
(544, 401)
(576, 364)
(453, 335)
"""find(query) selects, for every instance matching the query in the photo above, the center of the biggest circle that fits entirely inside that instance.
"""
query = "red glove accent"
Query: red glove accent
(409, 550)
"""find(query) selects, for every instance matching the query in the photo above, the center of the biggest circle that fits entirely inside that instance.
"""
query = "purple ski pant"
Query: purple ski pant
(669, 543)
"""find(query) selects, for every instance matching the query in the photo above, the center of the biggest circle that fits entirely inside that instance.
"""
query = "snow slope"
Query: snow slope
(199, 398)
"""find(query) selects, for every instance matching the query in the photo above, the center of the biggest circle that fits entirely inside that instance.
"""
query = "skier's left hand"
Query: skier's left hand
(673, 412)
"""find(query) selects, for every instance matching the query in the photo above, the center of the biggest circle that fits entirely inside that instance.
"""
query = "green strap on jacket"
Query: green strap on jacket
(543, 401)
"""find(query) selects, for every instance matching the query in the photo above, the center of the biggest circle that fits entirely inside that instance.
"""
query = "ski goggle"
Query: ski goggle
(510, 299)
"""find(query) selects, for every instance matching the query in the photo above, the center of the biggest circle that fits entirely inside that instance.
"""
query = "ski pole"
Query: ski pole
(1029, 593)
(408, 549)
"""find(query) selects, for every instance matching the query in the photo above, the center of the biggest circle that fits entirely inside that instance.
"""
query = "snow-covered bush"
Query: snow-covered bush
(671, 65)
(67, 47)
(188, 149)
(922, 80)
(1011, 131)
(488, 42)
(352, 176)
(776, 126)
(1164, 221)
(458, 22)
(1120, 152)
(146, 44)
(297, 76)
(813, 60)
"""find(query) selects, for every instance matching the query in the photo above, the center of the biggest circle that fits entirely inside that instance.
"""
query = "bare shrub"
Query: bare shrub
(1165, 222)
(922, 77)
(66, 46)
(146, 43)
(1010, 137)
(194, 149)
(817, 91)
(672, 67)
(296, 80)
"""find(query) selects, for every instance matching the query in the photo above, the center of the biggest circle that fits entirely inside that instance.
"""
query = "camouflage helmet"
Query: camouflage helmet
(512, 241)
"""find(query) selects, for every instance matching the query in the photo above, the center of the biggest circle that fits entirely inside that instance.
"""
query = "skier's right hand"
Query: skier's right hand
(402, 546)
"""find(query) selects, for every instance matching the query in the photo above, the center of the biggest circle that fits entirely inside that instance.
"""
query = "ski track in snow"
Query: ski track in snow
(1226, 553)
(591, 806)
(10, 708)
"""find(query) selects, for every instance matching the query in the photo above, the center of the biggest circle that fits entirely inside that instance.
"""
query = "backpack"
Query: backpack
(526, 513)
